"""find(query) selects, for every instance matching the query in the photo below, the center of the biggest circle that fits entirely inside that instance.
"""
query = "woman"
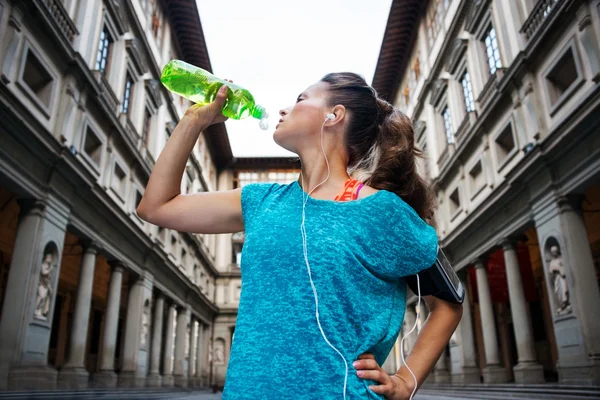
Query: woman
(303, 247)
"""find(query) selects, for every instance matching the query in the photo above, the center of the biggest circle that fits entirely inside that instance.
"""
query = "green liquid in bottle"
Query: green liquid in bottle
(201, 87)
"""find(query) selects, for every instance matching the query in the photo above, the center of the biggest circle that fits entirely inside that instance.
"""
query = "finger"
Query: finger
(382, 389)
(376, 375)
(366, 355)
(366, 364)
(221, 97)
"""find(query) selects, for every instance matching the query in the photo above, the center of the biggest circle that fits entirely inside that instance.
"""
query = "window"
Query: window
(37, 79)
(104, 46)
(562, 76)
(118, 179)
(138, 198)
(467, 91)
(448, 125)
(435, 18)
(127, 94)
(146, 127)
(491, 50)
(92, 146)
(505, 144)
(454, 203)
(476, 179)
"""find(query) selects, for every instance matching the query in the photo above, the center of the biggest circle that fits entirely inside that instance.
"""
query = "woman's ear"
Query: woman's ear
(339, 112)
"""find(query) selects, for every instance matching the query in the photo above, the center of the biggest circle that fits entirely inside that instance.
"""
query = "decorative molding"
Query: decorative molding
(135, 52)
(475, 14)
(61, 17)
(153, 90)
(117, 11)
(459, 47)
(438, 88)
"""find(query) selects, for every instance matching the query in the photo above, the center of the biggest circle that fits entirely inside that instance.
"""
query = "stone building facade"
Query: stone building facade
(505, 97)
(90, 294)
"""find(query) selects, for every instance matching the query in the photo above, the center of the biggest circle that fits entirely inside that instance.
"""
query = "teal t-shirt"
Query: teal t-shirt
(358, 251)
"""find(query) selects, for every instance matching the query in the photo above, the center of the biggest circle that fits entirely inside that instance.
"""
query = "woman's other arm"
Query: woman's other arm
(433, 338)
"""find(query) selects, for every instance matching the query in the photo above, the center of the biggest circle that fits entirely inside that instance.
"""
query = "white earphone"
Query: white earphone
(305, 250)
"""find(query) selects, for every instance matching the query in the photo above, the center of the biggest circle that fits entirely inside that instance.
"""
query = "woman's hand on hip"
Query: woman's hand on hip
(393, 387)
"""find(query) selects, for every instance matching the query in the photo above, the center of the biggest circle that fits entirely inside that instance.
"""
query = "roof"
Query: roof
(187, 28)
(398, 41)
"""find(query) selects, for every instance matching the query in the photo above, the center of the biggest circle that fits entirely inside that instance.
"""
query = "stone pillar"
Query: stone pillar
(492, 372)
(192, 353)
(183, 319)
(200, 355)
(527, 370)
(137, 333)
(207, 362)
(572, 288)
(467, 370)
(167, 379)
(30, 295)
(74, 375)
(154, 379)
(107, 377)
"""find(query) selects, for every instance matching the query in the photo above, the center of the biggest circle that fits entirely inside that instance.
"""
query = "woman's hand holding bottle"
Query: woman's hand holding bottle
(209, 114)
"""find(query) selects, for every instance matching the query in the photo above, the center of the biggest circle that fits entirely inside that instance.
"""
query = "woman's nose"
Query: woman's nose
(282, 112)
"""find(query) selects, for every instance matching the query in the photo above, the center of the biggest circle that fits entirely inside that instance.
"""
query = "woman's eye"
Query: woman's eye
(299, 100)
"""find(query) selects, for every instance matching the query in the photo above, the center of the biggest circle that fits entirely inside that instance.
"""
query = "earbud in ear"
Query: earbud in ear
(330, 116)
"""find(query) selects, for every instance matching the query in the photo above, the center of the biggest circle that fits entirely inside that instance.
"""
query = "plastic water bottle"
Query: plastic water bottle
(201, 87)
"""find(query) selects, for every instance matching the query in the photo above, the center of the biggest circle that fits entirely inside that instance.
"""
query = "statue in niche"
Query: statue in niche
(145, 325)
(219, 351)
(558, 280)
(44, 290)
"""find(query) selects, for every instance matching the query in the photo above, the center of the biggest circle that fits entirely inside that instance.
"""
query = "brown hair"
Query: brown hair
(380, 142)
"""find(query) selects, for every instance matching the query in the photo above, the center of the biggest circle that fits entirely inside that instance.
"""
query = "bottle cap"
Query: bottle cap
(264, 122)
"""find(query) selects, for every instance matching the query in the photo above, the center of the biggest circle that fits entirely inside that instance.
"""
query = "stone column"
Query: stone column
(74, 375)
(30, 295)
(572, 288)
(527, 370)
(492, 372)
(200, 355)
(168, 356)
(154, 379)
(183, 319)
(192, 353)
(137, 333)
(207, 362)
(107, 377)
(468, 372)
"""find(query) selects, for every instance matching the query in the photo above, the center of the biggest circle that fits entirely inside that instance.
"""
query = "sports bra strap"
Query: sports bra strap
(351, 189)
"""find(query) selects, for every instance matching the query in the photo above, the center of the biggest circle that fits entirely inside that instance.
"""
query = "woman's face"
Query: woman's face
(302, 120)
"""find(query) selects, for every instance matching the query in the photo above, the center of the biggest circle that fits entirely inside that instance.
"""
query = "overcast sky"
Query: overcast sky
(277, 48)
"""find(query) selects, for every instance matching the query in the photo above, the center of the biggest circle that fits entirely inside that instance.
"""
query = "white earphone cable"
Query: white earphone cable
(305, 250)
(304, 244)
(409, 332)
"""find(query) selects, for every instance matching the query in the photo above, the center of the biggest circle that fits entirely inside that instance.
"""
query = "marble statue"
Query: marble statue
(145, 325)
(219, 352)
(558, 281)
(44, 290)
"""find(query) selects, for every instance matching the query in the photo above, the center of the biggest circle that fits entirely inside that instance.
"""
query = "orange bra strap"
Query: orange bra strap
(350, 191)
